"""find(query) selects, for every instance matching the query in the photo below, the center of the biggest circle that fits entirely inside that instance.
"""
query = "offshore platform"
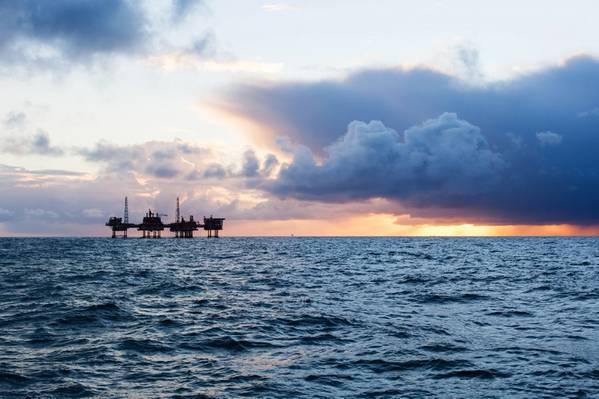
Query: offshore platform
(152, 225)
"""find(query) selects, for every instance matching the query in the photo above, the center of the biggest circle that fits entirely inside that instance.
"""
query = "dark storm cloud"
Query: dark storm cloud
(540, 126)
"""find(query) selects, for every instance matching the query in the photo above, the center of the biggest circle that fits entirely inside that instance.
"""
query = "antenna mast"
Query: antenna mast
(126, 213)
(178, 212)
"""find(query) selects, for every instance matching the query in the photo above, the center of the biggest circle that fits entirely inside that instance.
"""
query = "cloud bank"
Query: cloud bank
(522, 151)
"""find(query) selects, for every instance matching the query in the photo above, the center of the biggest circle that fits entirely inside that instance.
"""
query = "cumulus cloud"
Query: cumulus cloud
(444, 156)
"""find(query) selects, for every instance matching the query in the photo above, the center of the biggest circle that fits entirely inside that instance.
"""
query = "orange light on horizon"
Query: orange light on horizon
(386, 225)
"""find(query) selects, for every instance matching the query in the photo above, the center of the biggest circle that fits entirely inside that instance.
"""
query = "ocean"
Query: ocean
(299, 318)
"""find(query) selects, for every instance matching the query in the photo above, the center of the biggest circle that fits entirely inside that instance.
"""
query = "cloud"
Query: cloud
(55, 34)
(445, 169)
(444, 156)
(38, 144)
(209, 62)
(468, 63)
(18, 171)
(594, 113)
(14, 120)
(533, 186)
(215, 171)
(549, 138)
(204, 47)
(250, 166)
(68, 202)
(173, 159)
(160, 159)
(181, 8)
(76, 29)
(163, 170)
(315, 113)
(270, 164)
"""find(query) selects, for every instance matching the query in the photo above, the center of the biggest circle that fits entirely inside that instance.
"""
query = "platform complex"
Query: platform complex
(152, 225)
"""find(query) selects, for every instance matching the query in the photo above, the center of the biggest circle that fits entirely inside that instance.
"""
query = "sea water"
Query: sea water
(299, 317)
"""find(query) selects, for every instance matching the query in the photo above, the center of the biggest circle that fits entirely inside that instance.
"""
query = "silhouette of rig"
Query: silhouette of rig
(152, 225)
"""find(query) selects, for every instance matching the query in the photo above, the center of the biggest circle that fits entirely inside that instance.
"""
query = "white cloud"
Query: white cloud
(184, 60)
(549, 138)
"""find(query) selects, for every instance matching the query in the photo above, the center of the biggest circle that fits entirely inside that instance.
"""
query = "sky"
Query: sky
(306, 117)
